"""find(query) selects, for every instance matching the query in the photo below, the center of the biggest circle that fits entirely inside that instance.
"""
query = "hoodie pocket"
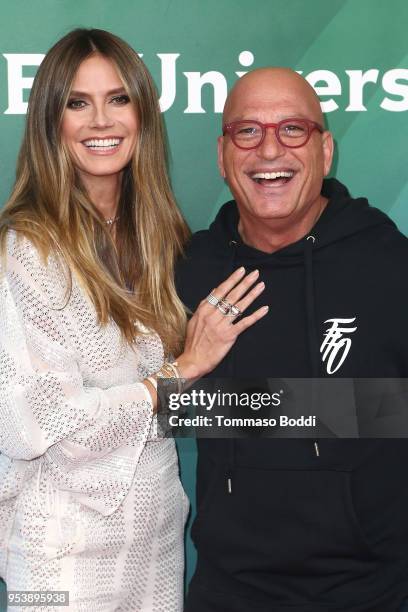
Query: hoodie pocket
(284, 521)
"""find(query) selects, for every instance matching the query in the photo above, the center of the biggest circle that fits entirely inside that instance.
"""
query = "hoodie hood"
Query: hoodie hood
(342, 218)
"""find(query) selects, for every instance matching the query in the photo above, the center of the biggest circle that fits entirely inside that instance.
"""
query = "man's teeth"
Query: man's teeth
(102, 142)
(272, 175)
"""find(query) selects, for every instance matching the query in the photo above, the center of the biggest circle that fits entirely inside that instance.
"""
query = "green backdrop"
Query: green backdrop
(355, 52)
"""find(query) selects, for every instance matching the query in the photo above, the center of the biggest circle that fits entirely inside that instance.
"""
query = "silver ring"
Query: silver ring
(224, 307)
(212, 299)
(234, 311)
(227, 309)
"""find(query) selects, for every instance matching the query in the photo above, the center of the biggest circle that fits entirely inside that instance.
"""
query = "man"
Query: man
(300, 525)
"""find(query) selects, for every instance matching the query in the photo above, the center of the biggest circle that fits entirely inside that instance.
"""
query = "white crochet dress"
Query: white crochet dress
(90, 497)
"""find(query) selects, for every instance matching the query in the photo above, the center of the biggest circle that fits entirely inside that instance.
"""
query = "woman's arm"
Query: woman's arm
(43, 400)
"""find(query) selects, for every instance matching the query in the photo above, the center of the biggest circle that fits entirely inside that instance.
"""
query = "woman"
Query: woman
(91, 501)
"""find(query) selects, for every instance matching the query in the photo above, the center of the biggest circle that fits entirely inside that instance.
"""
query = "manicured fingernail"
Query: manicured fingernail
(260, 286)
(264, 309)
(241, 270)
(254, 273)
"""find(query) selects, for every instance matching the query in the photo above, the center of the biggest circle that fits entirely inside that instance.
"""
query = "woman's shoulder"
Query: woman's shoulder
(24, 263)
(18, 246)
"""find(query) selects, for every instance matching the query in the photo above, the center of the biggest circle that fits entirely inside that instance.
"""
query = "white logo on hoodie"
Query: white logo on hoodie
(335, 347)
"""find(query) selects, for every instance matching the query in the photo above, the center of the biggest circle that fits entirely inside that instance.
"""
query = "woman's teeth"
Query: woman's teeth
(102, 143)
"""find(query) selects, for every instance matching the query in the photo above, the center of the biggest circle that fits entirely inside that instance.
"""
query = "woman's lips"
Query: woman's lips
(102, 146)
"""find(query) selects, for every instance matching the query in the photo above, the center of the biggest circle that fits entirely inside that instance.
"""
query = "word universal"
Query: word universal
(347, 91)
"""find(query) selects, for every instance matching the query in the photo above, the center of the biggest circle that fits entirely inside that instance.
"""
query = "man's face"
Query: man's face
(269, 99)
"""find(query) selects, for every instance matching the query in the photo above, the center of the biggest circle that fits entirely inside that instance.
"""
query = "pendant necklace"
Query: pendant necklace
(111, 221)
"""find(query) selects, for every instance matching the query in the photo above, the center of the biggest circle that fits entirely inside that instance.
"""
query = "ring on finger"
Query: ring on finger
(223, 307)
(212, 299)
(234, 311)
(227, 309)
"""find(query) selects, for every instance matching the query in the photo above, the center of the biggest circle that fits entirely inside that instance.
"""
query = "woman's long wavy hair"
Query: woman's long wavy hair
(129, 279)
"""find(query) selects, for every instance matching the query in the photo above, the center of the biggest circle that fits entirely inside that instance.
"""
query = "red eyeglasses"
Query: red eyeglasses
(292, 133)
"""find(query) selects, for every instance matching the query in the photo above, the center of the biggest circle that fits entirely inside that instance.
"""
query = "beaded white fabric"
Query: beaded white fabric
(90, 497)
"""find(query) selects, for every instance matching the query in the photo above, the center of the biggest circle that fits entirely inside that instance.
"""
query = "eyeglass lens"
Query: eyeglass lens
(290, 133)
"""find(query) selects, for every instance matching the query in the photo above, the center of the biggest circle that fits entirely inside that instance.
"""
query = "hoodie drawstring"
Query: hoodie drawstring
(312, 340)
(311, 319)
(233, 244)
(231, 464)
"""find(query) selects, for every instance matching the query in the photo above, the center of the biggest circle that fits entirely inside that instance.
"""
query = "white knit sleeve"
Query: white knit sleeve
(45, 407)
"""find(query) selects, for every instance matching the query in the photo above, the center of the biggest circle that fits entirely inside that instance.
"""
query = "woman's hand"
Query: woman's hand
(210, 333)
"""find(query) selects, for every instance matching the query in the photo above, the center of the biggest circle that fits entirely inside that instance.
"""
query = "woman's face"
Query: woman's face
(100, 124)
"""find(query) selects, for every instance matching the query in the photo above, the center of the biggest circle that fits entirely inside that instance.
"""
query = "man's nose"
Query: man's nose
(101, 116)
(270, 146)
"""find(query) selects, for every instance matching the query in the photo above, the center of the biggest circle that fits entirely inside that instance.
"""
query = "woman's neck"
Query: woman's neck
(104, 192)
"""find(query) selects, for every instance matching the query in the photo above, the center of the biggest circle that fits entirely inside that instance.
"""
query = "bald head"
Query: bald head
(276, 86)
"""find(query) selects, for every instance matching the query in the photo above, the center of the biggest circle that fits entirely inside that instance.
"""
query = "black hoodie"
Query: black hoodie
(306, 528)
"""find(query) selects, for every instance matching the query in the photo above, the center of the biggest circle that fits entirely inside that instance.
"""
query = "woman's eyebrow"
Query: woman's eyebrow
(84, 94)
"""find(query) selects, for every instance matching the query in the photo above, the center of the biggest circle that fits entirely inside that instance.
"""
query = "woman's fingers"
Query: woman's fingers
(241, 295)
(246, 322)
(228, 284)
(235, 287)
(247, 300)
(241, 288)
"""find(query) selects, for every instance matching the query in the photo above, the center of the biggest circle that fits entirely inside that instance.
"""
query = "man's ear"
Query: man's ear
(220, 149)
(328, 150)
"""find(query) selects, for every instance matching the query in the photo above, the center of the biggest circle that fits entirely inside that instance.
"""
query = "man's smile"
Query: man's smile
(275, 178)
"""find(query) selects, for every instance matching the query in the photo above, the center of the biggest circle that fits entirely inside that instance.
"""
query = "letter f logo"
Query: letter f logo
(335, 347)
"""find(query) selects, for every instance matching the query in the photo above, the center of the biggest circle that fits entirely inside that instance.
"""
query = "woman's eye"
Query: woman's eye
(75, 104)
(121, 100)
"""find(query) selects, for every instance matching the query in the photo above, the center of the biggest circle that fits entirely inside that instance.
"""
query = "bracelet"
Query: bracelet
(153, 382)
(171, 371)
